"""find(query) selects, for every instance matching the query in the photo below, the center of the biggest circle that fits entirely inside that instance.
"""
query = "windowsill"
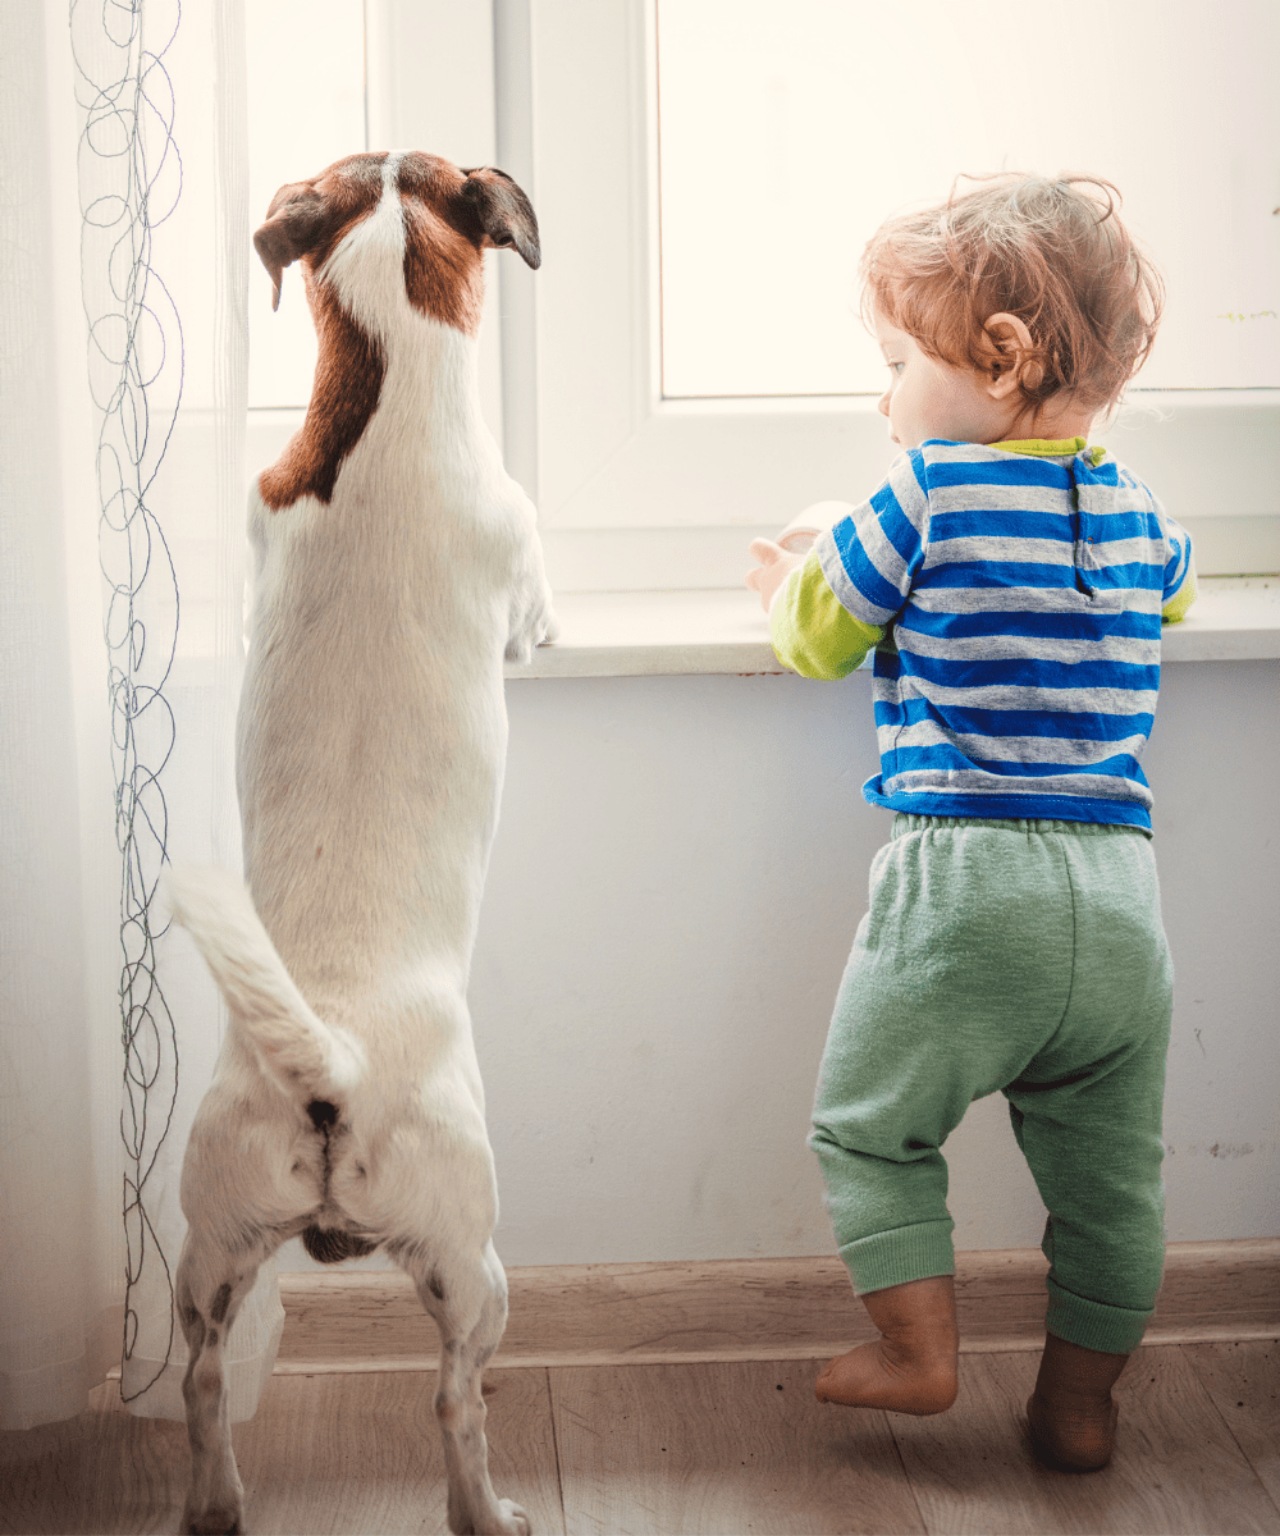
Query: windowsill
(671, 634)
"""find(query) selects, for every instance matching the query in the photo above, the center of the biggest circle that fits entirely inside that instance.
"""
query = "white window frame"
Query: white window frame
(638, 491)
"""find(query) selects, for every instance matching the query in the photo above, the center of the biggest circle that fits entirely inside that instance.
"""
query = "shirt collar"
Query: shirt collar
(1052, 448)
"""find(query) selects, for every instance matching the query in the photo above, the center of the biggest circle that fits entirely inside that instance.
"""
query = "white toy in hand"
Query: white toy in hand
(778, 558)
(803, 531)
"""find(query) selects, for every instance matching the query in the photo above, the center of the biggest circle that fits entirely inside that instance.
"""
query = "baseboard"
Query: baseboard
(745, 1309)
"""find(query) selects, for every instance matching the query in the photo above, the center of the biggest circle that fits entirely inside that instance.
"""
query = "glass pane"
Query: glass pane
(790, 130)
(306, 110)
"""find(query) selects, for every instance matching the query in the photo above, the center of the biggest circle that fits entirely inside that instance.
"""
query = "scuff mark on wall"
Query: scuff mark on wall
(1226, 1151)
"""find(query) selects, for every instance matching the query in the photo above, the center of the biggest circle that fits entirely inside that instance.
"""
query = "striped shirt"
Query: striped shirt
(1014, 595)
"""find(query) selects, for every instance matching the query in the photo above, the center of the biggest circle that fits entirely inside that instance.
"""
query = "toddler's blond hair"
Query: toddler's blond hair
(1053, 252)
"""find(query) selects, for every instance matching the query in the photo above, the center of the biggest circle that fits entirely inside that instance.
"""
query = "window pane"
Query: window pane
(789, 131)
(306, 110)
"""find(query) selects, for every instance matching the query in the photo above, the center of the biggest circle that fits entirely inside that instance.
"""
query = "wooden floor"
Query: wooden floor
(725, 1448)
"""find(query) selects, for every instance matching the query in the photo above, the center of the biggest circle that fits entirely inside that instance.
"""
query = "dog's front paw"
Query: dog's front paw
(531, 634)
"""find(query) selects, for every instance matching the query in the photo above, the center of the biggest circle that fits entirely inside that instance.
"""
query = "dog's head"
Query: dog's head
(449, 216)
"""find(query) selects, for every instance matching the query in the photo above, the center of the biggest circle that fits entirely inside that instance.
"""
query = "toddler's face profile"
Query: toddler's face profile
(929, 398)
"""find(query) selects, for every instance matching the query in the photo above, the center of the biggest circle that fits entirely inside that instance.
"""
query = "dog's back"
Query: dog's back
(372, 730)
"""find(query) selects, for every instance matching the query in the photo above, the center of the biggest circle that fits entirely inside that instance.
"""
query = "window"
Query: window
(706, 172)
(306, 99)
(688, 367)
(778, 159)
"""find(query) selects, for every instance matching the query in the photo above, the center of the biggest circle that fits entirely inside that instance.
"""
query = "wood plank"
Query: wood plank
(103, 1472)
(693, 1448)
(362, 1453)
(326, 1454)
(746, 1309)
(1244, 1382)
(718, 1447)
(1177, 1469)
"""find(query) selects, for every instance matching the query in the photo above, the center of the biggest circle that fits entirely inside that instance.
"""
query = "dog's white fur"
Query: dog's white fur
(372, 739)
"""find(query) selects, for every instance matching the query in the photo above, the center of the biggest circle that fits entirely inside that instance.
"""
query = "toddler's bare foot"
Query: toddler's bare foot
(911, 1368)
(1071, 1414)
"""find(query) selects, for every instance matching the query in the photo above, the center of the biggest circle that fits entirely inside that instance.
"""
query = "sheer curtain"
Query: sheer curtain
(59, 1312)
(126, 233)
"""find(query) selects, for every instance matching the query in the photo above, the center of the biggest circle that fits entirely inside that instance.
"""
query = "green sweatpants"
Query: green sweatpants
(1024, 956)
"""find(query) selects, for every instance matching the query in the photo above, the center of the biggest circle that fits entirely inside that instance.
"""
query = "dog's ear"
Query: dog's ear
(298, 220)
(501, 213)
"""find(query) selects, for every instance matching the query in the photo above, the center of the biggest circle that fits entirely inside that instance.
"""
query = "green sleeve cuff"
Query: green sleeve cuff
(812, 632)
(1176, 608)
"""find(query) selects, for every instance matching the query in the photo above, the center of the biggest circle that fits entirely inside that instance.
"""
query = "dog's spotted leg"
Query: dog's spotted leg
(467, 1297)
(212, 1283)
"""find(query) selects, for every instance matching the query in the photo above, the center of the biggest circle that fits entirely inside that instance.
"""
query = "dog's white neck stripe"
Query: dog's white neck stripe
(367, 269)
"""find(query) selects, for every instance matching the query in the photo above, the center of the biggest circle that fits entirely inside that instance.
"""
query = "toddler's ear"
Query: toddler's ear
(1013, 356)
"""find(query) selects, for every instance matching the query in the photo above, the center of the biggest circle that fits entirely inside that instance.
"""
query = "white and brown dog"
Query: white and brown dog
(397, 565)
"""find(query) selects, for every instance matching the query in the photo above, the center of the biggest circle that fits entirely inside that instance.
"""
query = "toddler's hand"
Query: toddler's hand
(776, 564)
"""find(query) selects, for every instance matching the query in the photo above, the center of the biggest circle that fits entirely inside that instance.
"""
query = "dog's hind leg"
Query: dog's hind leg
(467, 1297)
(212, 1282)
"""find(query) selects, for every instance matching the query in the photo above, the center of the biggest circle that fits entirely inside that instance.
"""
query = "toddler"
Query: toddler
(1012, 580)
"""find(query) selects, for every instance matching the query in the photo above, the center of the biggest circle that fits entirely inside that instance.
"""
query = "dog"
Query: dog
(396, 566)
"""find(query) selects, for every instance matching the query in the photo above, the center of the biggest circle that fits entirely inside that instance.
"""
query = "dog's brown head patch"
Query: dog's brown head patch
(501, 213)
(451, 216)
(305, 223)
(307, 219)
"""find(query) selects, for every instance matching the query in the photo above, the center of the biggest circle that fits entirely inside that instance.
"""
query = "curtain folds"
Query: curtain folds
(59, 1311)
(126, 226)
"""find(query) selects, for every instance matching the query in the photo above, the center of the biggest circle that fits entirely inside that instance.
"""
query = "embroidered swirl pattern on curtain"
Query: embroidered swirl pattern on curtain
(163, 175)
(136, 378)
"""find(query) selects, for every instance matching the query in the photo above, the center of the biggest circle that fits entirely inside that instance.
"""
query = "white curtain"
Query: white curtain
(125, 233)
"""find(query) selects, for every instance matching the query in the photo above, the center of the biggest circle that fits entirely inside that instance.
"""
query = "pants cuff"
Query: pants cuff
(1094, 1324)
(918, 1252)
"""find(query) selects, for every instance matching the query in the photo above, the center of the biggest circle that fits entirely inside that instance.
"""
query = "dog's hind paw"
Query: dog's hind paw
(508, 1519)
(219, 1520)
(514, 1520)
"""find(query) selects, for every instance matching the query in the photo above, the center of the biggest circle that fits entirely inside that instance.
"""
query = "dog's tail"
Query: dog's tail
(304, 1056)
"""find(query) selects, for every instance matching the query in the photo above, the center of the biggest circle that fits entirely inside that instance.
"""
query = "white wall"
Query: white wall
(678, 874)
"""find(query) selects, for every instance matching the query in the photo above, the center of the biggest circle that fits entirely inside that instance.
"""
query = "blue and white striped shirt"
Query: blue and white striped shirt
(1025, 587)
